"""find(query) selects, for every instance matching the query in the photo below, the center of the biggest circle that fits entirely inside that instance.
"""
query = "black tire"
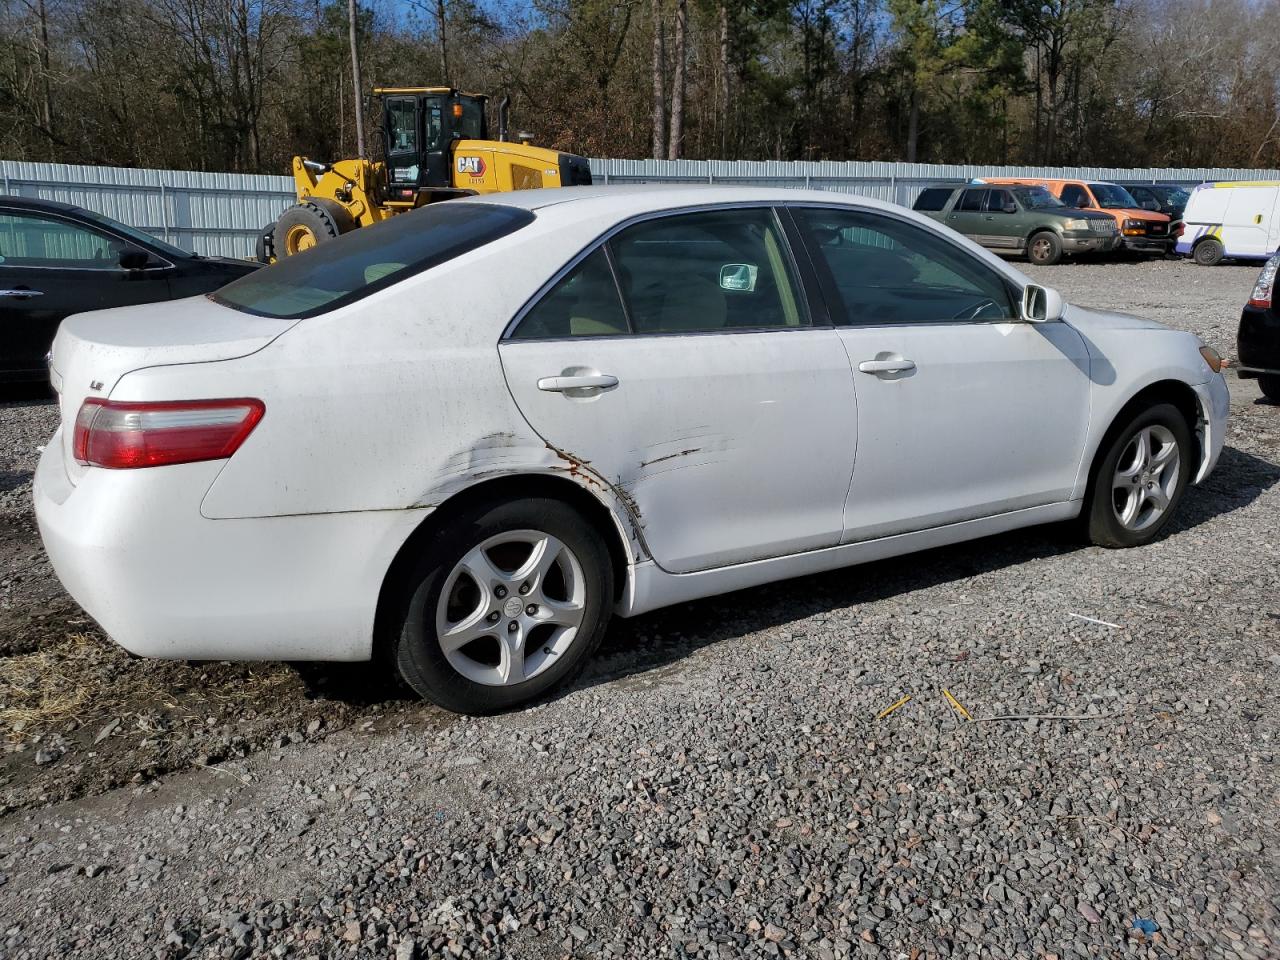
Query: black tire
(1102, 525)
(1208, 252)
(1270, 388)
(1044, 249)
(416, 651)
(309, 224)
(265, 249)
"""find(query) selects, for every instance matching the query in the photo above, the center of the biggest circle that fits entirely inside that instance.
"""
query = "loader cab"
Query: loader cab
(419, 126)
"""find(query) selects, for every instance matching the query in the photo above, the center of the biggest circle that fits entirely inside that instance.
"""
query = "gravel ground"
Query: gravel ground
(719, 784)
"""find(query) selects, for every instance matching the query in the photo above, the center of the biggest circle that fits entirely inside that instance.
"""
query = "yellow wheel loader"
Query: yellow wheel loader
(436, 147)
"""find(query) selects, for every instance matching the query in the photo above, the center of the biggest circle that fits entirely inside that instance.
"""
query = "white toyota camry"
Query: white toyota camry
(463, 439)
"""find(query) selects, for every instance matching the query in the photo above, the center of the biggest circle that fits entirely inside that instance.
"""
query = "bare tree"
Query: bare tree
(675, 142)
(659, 93)
(357, 98)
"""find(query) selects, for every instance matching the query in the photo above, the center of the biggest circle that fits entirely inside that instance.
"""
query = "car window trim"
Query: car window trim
(830, 294)
(165, 264)
(604, 238)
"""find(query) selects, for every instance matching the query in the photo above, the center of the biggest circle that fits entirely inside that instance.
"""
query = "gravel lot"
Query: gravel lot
(719, 784)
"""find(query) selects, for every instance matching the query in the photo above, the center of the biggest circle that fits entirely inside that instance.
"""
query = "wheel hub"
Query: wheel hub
(1146, 477)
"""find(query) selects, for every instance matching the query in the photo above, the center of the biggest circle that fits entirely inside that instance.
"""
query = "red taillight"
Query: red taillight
(1264, 288)
(123, 435)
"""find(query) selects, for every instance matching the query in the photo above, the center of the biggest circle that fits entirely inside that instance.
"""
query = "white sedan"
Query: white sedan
(463, 439)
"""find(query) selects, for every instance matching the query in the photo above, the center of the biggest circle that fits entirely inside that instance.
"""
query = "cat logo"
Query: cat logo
(471, 165)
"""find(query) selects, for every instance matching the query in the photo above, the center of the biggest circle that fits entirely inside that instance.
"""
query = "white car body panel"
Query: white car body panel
(950, 440)
(378, 412)
(703, 430)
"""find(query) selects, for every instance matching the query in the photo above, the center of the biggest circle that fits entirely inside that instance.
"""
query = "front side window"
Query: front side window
(584, 303)
(355, 265)
(469, 126)
(33, 241)
(1074, 195)
(971, 201)
(999, 200)
(883, 271)
(714, 270)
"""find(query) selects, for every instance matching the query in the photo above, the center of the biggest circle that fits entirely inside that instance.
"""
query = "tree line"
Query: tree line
(243, 85)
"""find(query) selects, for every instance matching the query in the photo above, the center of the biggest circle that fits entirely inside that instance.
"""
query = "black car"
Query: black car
(1258, 340)
(1167, 198)
(56, 260)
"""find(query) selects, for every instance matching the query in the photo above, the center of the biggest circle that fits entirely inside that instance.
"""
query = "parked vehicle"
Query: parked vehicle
(1141, 231)
(1236, 220)
(1019, 219)
(1258, 338)
(463, 438)
(1167, 198)
(56, 260)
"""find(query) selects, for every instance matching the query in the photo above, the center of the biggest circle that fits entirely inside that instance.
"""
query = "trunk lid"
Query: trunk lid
(92, 351)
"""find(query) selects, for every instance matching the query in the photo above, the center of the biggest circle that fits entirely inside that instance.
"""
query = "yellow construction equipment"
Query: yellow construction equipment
(436, 147)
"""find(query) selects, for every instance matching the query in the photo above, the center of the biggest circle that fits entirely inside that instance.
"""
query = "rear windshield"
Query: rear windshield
(333, 274)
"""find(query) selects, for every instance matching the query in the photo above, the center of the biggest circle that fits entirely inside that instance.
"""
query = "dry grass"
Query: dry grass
(48, 688)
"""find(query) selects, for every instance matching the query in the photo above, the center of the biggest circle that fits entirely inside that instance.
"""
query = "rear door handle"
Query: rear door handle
(886, 366)
(22, 293)
(586, 381)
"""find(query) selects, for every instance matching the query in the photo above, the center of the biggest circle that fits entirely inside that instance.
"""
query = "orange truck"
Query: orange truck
(1142, 231)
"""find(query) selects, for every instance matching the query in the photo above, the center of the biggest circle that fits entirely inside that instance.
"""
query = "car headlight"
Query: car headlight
(1216, 363)
(1081, 224)
(1134, 224)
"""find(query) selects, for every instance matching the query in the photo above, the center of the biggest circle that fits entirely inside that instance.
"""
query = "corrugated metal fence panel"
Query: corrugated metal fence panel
(217, 214)
(221, 213)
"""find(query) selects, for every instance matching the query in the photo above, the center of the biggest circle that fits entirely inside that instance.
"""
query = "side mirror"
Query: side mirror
(131, 258)
(1041, 304)
(1010, 208)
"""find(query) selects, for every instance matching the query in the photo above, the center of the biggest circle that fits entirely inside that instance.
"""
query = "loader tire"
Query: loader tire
(311, 222)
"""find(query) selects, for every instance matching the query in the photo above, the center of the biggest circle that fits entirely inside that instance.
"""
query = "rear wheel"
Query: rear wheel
(1270, 388)
(507, 602)
(1044, 248)
(1140, 479)
(309, 223)
(1209, 252)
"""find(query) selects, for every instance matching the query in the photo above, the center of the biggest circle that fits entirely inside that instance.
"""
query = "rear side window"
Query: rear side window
(584, 304)
(972, 200)
(933, 199)
(344, 270)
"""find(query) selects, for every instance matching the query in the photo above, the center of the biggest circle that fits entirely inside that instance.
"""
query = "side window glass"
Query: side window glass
(583, 304)
(999, 200)
(28, 241)
(971, 200)
(718, 270)
(895, 272)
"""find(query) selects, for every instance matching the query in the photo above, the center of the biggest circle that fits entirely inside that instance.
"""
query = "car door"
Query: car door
(966, 216)
(51, 267)
(678, 361)
(1003, 223)
(963, 411)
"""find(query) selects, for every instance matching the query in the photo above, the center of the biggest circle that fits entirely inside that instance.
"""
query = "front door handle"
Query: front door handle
(22, 293)
(584, 381)
(886, 366)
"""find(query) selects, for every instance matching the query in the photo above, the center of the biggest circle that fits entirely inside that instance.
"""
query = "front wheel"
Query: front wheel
(1044, 249)
(265, 248)
(1270, 388)
(507, 602)
(1140, 478)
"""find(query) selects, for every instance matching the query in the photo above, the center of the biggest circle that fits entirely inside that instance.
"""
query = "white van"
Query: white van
(1239, 220)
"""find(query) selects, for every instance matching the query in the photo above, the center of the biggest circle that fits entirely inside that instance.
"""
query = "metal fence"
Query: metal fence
(221, 213)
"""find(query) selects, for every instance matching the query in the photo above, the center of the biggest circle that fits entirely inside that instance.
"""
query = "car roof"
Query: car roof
(602, 198)
(35, 203)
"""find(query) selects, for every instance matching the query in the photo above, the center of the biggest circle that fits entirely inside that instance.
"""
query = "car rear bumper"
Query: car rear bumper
(132, 549)
(1258, 343)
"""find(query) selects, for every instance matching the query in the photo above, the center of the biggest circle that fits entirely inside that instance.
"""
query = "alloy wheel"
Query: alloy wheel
(511, 607)
(1146, 477)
